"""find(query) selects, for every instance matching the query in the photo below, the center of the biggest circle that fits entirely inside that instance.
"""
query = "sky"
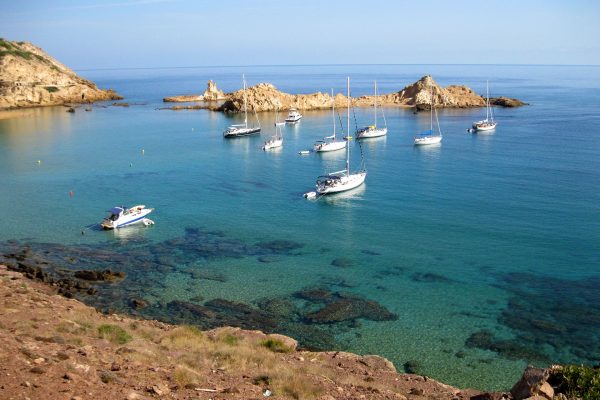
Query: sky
(94, 34)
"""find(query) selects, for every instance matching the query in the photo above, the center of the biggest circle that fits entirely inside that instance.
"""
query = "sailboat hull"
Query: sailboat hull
(371, 133)
(345, 182)
(420, 141)
(241, 132)
(484, 126)
(330, 146)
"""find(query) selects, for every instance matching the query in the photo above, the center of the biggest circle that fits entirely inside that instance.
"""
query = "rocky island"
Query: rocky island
(266, 97)
(29, 77)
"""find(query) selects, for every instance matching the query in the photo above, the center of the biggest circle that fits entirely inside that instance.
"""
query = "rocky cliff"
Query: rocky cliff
(266, 97)
(30, 77)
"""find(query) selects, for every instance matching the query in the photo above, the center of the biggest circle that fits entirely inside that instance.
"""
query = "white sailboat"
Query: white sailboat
(343, 180)
(330, 143)
(243, 129)
(429, 136)
(372, 131)
(276, 140)
(488, 123)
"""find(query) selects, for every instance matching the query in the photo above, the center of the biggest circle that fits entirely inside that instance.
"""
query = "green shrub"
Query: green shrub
(114, 334)
(580, 382)
(275, 345)
(51, 89)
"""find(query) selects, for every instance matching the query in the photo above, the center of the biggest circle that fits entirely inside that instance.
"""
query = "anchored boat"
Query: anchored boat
(121, 216)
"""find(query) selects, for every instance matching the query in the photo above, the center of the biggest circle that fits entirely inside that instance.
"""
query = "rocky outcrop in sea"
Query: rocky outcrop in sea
(266, 97)
(29, 77)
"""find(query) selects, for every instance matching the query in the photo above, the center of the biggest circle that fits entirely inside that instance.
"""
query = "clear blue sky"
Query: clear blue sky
(154, 33)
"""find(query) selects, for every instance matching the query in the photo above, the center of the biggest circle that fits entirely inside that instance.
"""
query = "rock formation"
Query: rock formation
(266, 97)
(30, 77)
(212, 93)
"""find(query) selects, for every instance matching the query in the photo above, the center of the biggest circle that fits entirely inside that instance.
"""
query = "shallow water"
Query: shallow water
(475, 235)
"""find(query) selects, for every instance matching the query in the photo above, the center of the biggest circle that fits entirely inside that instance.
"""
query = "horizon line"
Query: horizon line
(331, 65)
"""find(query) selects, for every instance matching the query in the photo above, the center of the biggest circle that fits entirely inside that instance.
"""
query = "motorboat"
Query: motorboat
(121, 216)
(343, 180)
(293, 116)
(330, 143)
(429, 136)
(372, 131)
(488, 123)
(238, 130)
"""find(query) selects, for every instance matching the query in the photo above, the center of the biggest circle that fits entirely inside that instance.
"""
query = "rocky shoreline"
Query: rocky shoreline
(31, 78)
(266, 97)
(82, 353)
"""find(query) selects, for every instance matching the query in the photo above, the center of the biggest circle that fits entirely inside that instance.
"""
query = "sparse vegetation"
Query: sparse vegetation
(51, 89)
(275, 345)
(114, 334)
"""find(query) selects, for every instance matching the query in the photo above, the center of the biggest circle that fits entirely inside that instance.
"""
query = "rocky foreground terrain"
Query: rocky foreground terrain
(54, 347)
(29, 77)
(266, 97)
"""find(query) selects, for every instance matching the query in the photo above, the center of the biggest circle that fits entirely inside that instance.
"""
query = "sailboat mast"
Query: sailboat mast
(431, 107)
(487, 101)
(333, 113)
(245, 107)
(348, 144)
(375, 104)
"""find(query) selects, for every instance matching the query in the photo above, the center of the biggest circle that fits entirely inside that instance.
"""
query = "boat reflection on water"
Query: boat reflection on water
(346, 197)
(134, 233)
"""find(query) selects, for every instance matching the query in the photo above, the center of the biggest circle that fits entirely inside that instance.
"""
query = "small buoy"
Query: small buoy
(192, 129)
(39, 161)
(310, 195)
(142, 151)
(131, 164)
(71, 193)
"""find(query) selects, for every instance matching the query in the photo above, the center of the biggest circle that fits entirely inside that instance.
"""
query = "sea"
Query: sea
(464, 261)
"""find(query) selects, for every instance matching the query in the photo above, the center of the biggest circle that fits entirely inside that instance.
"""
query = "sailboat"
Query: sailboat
(343, 180)
(277, 139)
(428, 136)
(488, 123)
(372, 131)
(329, 143)
(243, 129)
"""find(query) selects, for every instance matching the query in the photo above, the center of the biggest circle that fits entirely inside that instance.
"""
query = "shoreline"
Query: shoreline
(80, 349)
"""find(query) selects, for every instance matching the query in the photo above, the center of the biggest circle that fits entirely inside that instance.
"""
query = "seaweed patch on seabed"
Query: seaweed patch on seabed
(95, 273)
(553, 320)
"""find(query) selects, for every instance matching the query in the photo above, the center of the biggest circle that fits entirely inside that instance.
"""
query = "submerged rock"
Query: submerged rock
(105, 275)
(342, 262)
(347, 309)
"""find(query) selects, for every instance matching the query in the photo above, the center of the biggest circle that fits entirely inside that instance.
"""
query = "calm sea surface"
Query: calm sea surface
(486, 248)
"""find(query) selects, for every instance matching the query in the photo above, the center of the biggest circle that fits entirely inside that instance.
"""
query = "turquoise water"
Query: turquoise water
(496, 235)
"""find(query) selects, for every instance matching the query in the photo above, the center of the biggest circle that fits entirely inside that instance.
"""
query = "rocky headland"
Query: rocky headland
(29, 77)
(266, 97)
(56, 347)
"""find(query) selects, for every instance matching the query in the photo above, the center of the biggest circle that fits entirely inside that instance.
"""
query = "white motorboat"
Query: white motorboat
(276, 140)
(343, 180)
(122, 216)
(429, 136)
(238, 130)
(330, 143)
(372, 131)
(488, 123)
(293, 116)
